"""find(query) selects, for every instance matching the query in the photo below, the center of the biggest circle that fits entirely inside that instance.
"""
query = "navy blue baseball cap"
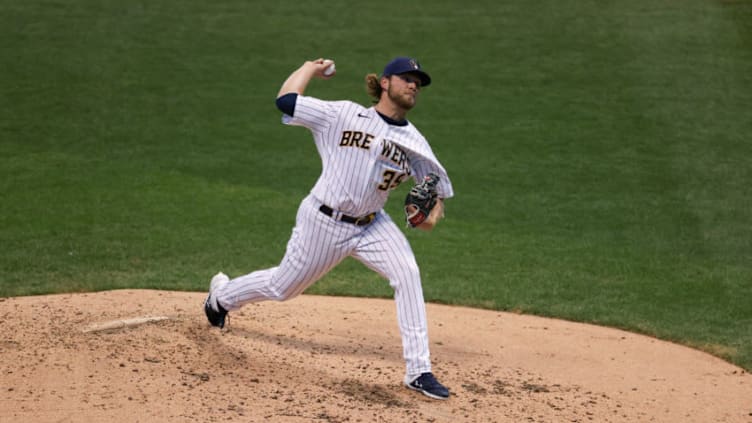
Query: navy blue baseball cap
(402, 65)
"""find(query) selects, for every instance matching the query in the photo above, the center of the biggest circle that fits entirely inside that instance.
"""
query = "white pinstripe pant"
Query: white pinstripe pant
(318, 243)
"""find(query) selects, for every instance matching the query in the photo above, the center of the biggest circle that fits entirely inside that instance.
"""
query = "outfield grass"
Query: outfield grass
(599, 150)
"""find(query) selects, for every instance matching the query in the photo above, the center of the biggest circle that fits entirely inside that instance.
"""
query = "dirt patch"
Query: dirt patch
(322, 359)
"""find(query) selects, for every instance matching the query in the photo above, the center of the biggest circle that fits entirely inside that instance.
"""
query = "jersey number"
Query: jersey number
(392, 179)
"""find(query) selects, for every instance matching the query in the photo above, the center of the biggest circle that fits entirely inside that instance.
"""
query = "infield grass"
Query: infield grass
(600, 151)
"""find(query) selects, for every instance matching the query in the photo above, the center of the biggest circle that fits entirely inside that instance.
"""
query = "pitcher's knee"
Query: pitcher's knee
(284, 296)
(275, 294)
(409, 274)
(288, 290)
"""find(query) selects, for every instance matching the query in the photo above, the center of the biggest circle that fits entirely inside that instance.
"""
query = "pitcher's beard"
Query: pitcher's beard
(403, 101)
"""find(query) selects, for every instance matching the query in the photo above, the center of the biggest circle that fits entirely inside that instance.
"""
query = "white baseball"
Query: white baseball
(331, 69)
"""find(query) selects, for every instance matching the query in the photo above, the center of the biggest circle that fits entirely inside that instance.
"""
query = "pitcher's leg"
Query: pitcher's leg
(275, 284)
(385, 250)
(315, 247)
(411, 316)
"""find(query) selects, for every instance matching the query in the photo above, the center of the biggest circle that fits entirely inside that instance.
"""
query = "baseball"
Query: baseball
(331, 69)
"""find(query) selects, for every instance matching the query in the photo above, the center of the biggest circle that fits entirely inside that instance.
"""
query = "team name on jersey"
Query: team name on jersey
(396, 155)
(356, 139)
(389, 150)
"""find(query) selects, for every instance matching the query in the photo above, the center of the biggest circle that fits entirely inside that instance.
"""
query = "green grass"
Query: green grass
(599, 150)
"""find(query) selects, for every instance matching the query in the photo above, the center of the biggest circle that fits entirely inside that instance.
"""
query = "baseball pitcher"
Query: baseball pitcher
(366, 152)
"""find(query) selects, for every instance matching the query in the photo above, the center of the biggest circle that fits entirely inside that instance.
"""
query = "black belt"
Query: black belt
(358, 221)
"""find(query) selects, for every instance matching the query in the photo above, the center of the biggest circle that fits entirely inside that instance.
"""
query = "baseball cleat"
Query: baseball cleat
(214, 311)
(427, 384)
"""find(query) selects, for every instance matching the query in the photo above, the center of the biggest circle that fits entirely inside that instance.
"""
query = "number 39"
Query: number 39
(392, 179)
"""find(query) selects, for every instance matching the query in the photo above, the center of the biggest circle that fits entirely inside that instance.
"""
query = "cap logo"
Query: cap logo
(414, 64)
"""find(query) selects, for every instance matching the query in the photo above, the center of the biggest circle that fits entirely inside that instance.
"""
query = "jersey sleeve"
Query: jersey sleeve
(286, 103)
(312, 113)
(423, 166)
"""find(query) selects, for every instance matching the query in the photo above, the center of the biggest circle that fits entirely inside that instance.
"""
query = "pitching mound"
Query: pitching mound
(150, 356)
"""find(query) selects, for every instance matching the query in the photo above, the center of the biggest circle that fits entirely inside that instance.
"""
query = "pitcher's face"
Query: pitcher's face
(403, 90)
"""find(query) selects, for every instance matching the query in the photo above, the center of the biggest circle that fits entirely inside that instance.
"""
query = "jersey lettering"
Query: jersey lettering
(356, 139)
(392, 179)
(391, 151)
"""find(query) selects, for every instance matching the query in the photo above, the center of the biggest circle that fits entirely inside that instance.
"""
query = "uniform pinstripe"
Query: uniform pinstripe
(363, 159)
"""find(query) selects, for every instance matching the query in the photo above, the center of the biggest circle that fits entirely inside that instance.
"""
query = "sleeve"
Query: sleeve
(422, 166)
(312, 113)
(286, 103)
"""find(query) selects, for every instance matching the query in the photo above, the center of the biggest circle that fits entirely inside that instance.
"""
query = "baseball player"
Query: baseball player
(365, 154)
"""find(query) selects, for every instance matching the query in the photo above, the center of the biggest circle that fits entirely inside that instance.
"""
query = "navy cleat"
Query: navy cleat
(216, 317)
(429, 386)
(214, 311)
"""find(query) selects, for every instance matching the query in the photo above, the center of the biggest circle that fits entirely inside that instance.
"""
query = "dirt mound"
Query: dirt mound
(339, 360)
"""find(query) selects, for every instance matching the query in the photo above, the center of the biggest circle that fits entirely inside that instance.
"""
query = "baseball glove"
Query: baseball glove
(421, 200)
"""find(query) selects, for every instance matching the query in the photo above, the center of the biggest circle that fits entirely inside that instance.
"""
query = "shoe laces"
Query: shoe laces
(428, 380)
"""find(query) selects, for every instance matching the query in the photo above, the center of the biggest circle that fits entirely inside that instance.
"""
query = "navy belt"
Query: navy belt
(357, 221)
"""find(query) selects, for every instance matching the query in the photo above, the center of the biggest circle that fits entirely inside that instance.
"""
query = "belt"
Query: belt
(357, 221)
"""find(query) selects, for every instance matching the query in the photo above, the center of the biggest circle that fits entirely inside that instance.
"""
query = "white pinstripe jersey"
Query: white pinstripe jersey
(363, 157)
